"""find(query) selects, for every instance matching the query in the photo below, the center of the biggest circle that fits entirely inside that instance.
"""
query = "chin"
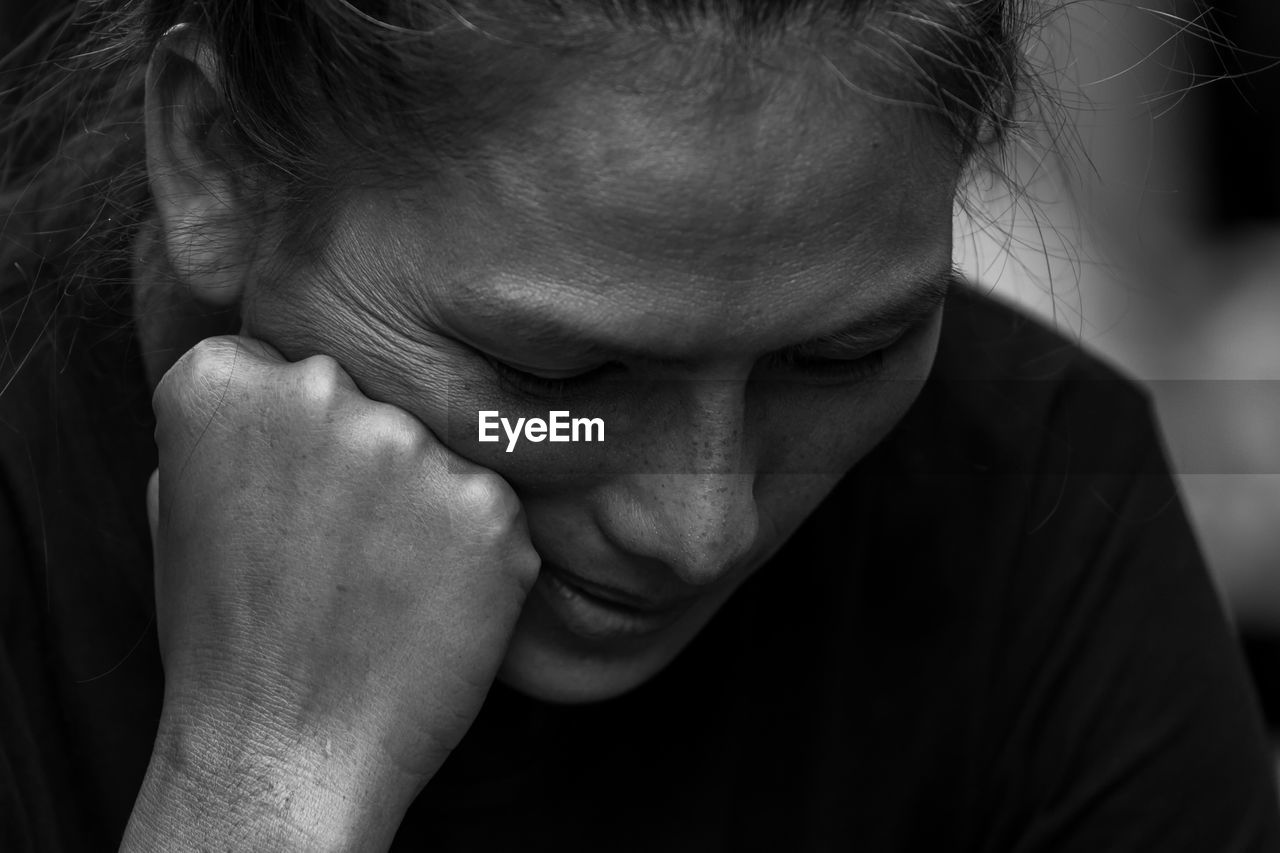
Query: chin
(557, 672)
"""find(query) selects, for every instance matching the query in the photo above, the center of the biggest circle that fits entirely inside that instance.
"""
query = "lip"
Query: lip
(594, 611)
(622, 598)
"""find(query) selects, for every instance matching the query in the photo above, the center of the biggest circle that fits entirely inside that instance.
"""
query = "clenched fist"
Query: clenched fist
(335, 590)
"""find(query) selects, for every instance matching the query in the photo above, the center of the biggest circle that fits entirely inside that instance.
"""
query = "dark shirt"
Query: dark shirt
(997, 634)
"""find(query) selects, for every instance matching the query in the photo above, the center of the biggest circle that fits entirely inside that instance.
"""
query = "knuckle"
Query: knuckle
(208, 362)
(524, 566)
(486, 502)
(196, 379)
(320, 380)
(384, 431)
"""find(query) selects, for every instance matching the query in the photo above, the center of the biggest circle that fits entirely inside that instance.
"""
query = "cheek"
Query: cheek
(816, 434)
(548, 446)
(824, 432)
(416, 373)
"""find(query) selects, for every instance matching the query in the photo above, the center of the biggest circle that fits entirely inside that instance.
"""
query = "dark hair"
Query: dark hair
(307, 84)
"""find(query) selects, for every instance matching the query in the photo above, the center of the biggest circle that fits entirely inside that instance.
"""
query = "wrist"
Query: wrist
(258, 791)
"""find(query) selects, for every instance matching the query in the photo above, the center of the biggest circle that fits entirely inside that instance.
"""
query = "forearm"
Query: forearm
(230, 794)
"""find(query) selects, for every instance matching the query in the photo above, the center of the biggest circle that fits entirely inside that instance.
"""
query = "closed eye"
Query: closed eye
(837, 359)
(831, 369)
(551, 386)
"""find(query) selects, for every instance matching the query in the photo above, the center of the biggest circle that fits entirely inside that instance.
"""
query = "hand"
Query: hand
(335, 590)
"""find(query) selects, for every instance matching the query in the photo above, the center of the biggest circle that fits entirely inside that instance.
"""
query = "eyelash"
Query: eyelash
(521, 382)
(842, 369)
(846, 370)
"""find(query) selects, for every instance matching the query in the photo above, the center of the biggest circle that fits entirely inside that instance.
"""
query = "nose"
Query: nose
(690, 502)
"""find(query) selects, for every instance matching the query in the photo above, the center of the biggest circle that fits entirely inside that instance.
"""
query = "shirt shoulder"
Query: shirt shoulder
(1009, 395)
(1023, 517)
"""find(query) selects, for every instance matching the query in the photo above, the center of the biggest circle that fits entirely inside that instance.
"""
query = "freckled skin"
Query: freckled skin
(688, 245)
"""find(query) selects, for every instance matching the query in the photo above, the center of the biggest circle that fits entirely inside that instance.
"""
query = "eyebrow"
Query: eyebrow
(915, 303)
(918, 303)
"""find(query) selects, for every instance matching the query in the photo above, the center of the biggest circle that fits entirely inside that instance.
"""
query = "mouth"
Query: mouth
(595, 611)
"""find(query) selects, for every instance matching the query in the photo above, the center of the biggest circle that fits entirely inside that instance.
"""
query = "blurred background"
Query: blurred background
(1147, 226)
(1148, 229)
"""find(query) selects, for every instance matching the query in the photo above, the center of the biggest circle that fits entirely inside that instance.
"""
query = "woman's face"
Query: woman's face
(748, 299)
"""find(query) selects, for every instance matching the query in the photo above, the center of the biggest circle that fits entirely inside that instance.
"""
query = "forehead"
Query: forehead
(664, 210)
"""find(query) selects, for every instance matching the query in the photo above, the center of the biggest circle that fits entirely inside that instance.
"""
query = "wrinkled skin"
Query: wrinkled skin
(327, 484)
(676, 261)
(337, 551)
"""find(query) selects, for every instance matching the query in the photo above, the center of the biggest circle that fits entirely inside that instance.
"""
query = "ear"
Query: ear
(205, 223)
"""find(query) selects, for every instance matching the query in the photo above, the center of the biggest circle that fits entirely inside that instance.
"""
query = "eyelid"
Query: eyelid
(839, 371)
(850, 345)
(549, 375)
(523, 382)
(847, 355)
(835, 348)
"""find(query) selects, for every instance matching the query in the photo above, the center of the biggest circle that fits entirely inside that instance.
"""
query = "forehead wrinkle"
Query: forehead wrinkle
(605, 214)
(735, 196)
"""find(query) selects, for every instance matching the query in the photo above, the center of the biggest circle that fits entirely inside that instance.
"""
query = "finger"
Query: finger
(256, 353)
(206, 374)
